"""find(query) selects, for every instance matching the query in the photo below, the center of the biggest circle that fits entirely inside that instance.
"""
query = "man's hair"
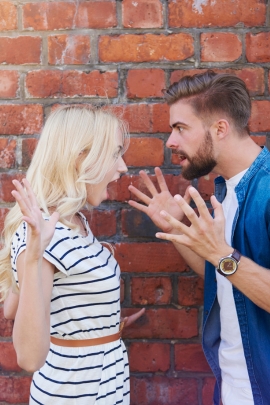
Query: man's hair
(210, 93)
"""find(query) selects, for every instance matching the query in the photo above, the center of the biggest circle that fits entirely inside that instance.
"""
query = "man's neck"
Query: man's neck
(236, 157)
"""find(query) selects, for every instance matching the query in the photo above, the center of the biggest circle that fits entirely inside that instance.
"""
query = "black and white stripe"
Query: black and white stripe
(85, 304)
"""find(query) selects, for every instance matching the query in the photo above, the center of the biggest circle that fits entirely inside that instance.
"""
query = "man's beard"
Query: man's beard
(202, 163)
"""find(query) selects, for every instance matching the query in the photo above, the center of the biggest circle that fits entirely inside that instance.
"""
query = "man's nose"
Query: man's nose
(172, 141)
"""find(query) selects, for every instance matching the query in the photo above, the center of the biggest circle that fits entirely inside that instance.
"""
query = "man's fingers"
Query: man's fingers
(188, 211)
(175, 224)
(138, 206)
(200, 204)
(219, 214)
(149, 184)
(161, 181)
(143, 197)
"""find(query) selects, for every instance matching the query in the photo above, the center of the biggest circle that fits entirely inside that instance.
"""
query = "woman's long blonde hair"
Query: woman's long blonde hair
(77, 146)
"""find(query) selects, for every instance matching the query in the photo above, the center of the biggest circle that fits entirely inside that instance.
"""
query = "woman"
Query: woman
(67, 321)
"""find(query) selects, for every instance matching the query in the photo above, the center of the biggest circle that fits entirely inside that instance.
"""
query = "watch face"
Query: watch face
(228, 265)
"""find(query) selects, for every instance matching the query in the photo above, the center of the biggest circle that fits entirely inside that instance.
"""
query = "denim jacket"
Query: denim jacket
(251, 236)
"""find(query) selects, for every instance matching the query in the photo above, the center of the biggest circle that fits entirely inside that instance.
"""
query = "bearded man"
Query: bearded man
(209, 116)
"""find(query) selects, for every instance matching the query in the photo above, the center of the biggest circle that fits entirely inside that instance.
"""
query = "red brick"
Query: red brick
(8, 16)
(145, 48)
(220, 47)
(190, 290)
(68, 49)
(260, 112)
(142, 150)
(145, 83)
(20, 50)
(9, 83)
(96, 14)
(259, 139)
(161, 118)
(14, 390)
(258, 47)
(161, 390)
(206, 185)
(162, 323)
(136, 224)
(7, 153)
(3, 213)
(6, 326)
(118, 191)
(223, 13)
(6, 186)
(253, 77)
(28, 149)
(151, 290)
(102, 223)
(8, 358)
(63, 15)
(149, 357)
(48, 16)
(208, 390)
(20, 119)
(136, 257)
(142, 13)
(71, 83)
(144, 118)
(190, 357)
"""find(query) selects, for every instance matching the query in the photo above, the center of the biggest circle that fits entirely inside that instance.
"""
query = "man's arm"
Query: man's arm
(163, 200)
(206, 237)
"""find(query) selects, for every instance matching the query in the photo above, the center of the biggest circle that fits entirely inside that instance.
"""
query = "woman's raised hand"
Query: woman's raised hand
(160, 201)
(40, 231)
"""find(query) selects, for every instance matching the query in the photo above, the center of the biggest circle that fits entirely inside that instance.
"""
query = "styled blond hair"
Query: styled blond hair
(77, 147)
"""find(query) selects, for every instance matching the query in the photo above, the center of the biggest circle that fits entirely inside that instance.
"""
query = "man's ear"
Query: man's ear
(220, 129)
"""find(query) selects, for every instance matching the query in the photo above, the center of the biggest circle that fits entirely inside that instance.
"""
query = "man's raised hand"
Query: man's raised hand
(162, 200)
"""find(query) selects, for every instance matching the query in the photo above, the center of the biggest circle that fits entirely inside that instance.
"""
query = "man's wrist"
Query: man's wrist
(215, 258)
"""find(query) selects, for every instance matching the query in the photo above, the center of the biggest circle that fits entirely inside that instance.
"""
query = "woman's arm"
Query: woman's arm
(31, 332)
(11, 305)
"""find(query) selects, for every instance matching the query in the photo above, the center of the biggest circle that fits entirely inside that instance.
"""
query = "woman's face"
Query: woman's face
(96, 193)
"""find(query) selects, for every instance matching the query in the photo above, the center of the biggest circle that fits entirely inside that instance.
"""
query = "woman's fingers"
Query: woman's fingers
(143, 197)
(132, 318)
(30, 193)
(22, 193)
(25, 209)
(161, 181)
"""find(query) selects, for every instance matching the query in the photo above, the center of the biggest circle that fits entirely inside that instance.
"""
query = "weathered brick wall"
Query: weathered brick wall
(55, 52)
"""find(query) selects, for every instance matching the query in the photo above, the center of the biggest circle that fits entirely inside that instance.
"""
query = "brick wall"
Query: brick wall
(55, 52)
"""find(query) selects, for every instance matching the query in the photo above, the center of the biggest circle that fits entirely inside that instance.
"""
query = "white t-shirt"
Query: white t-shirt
(231, 354)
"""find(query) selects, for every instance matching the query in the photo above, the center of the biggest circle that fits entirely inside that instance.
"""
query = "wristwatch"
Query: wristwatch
(229, 264)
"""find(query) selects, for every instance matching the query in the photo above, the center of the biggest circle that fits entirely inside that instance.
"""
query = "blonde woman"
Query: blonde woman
(67, 321)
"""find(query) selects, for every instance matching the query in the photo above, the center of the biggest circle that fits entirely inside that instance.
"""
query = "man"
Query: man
(209, 116)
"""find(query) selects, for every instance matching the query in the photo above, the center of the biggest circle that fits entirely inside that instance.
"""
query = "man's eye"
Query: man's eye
(180, 129)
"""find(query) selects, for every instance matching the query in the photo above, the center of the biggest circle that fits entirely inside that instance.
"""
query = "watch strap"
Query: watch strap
(236, 255)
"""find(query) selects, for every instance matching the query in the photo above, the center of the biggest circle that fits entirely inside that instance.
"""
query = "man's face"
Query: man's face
(190, 141)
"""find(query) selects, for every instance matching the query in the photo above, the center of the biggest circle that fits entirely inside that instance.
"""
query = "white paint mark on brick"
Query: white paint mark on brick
(197, 5)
